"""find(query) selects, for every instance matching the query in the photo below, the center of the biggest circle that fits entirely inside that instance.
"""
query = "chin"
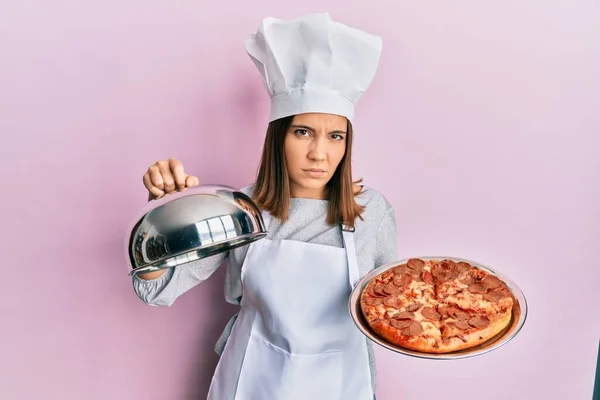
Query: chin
(311, 184)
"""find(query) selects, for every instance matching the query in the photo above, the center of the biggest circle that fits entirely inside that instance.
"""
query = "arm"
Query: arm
(386, 249)
(163, 289)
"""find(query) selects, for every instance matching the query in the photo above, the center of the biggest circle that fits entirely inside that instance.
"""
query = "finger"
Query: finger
(192, 181)
(156, 179)
(178, 173)
(167, 177)
(154, 191)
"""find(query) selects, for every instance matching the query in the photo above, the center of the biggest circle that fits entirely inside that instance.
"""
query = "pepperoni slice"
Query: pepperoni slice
(401, 324)
(477, 288)
(391, 301)
(479, 321)
(387, 275)
(463, 266)
(466, 277)
(430, 313)
(378, 290)
(497, 294)
(444, 271)
(437, 268)
(505, 291)
(491, 281)
(416, 263)
(463, 325)
(493, 297)
(443, 310)
(452, 274)
(373, 301)
(428, 278)
(396, 280)
(446, 276)
(404, 315)
(403, 280)
(416, 275)
(401, 269)
(413, 307)
(390, 288)
(457, 313)
(413, 329)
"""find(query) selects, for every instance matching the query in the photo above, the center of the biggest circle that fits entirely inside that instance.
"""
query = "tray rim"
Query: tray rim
(520, 306)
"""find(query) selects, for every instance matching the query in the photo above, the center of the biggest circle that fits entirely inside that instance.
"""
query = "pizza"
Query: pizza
(436, 306)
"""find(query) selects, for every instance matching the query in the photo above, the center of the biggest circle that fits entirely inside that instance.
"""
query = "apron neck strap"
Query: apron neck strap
(348, 237)
(266, 219)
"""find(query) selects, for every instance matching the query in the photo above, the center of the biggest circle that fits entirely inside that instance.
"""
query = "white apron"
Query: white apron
(294, 338)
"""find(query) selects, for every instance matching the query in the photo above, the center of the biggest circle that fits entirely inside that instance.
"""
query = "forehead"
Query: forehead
(329, 122)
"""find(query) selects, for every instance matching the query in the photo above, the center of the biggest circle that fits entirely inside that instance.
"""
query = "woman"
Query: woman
(293, 337)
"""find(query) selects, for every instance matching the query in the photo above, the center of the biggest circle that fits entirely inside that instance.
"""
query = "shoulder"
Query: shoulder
(374, 201)
(378, 210)
(248, 190)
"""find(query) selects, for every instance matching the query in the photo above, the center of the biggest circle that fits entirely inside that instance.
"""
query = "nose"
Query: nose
(318, 149)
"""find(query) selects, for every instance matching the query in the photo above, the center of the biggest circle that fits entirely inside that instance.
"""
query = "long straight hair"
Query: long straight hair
(272, 190)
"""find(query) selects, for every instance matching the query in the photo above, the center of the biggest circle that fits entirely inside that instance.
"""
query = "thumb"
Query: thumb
(191, 181)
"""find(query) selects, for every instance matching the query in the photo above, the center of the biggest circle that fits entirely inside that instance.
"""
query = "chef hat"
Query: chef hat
(313, 64)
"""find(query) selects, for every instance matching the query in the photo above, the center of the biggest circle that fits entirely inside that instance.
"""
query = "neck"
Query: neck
(303, 193)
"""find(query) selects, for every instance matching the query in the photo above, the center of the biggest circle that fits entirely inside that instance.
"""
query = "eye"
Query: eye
(301, 132)
(337, 136)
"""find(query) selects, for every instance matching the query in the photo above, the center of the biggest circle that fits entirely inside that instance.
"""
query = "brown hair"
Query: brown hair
(272, 191)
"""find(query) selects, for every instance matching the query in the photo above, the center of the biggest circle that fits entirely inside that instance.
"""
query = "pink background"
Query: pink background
(481, 128)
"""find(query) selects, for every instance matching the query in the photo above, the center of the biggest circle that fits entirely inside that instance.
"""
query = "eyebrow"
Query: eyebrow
(308, 128)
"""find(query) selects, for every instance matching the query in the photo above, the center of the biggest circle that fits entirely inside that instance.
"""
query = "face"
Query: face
(314, 146)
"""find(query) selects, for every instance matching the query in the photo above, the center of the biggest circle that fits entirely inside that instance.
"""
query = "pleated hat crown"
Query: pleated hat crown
(313, 64)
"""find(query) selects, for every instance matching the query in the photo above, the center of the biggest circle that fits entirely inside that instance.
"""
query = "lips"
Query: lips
(315, 173)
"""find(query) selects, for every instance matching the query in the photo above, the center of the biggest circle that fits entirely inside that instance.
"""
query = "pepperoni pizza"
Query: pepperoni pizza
(436, 306)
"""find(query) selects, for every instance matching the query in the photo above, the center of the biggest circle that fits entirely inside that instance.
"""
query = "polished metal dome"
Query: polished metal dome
(193, 224)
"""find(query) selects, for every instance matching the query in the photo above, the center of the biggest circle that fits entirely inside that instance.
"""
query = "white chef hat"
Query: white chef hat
(313, 64)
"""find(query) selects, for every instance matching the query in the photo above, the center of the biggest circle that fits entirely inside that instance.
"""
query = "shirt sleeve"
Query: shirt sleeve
(386, 246)
(165, 289)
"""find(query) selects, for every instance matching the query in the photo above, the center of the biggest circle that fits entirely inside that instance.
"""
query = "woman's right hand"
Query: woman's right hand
(167, 176)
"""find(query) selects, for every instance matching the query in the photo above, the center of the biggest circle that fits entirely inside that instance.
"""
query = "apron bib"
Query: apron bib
(294, 338)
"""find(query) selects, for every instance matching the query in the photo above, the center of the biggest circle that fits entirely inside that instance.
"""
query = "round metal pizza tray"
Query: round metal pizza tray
(519, 314)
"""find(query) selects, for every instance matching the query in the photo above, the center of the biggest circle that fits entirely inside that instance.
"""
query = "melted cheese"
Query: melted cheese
(429, 328)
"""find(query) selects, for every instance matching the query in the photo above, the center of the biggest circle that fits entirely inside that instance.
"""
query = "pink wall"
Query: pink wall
(482, 128)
